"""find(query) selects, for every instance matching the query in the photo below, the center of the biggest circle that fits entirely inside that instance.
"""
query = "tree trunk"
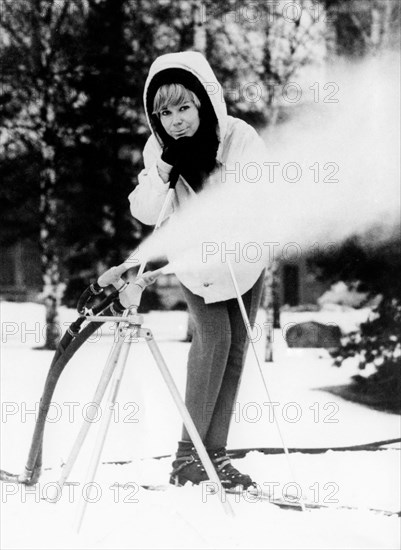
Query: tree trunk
(199, 15)
(375, 30)
(48, 245)
(386, 38)
(268, 305)
(276, 295)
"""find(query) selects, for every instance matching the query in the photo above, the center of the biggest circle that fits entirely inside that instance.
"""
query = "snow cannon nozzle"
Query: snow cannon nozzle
(113, 276)
(150, 277)
(92, 290)
(130, 296)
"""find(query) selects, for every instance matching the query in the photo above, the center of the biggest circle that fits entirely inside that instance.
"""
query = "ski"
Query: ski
(250, 495)
(283, 503)
(242, 452)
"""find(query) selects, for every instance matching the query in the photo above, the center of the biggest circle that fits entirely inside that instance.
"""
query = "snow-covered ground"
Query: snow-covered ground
(145, 424)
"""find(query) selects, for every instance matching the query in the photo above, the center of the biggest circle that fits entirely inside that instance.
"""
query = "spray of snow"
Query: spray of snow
(332, 172)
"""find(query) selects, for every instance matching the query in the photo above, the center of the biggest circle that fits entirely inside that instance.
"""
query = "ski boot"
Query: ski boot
(229, 476)
(187, 466)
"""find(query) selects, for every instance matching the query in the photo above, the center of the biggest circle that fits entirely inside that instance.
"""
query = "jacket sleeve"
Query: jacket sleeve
(254, 149)
(147, 199)
(245, 155)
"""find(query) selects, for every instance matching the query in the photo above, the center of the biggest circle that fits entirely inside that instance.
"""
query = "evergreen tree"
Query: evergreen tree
(374, 269)
(99, 230)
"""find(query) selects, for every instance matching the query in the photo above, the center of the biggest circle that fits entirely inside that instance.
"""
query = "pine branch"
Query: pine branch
(18, 137)
(22, 127)
(48, 15)
(55, 35)
(61, 18)
(359, 26)
(18, 17)
(12, 32)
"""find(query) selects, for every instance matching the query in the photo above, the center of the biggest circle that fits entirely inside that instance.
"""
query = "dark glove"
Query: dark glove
(177, 153)
(176, 150)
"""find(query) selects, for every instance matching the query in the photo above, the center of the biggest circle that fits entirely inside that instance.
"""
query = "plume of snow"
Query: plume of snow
(333, 171)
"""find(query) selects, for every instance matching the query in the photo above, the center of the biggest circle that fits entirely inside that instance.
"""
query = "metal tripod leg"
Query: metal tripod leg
(189, 424)
(104, 426)
(186, 417)
(108, 370)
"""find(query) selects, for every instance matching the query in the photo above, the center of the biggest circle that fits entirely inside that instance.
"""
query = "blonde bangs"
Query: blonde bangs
(174, 95)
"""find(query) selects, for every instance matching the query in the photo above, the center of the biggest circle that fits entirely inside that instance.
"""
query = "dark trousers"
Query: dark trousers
(215, 362)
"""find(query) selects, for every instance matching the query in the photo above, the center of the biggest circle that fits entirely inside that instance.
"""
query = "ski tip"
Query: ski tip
(10, 478)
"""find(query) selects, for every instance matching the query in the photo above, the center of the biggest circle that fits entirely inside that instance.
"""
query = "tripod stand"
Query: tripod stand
(129, 325)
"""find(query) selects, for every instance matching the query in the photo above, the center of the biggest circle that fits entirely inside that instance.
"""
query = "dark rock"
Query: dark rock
(313, 335)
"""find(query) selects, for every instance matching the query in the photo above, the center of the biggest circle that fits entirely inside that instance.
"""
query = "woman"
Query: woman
(194, 145)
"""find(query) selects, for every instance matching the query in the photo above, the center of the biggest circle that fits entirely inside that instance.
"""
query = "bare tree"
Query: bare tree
(364, 27)
(35, 75)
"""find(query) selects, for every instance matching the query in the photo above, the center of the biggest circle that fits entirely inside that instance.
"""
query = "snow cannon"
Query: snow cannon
(124, 299)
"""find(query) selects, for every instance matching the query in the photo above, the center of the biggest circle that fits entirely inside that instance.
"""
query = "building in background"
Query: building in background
(20, 280)
(20, 276)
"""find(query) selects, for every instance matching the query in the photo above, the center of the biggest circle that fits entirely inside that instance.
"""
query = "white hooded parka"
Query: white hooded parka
(239, 144)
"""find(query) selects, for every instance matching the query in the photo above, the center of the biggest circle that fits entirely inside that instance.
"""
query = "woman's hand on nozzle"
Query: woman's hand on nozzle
(176, 150)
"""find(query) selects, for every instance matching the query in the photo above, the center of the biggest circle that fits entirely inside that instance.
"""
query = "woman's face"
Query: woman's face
(180, 120)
